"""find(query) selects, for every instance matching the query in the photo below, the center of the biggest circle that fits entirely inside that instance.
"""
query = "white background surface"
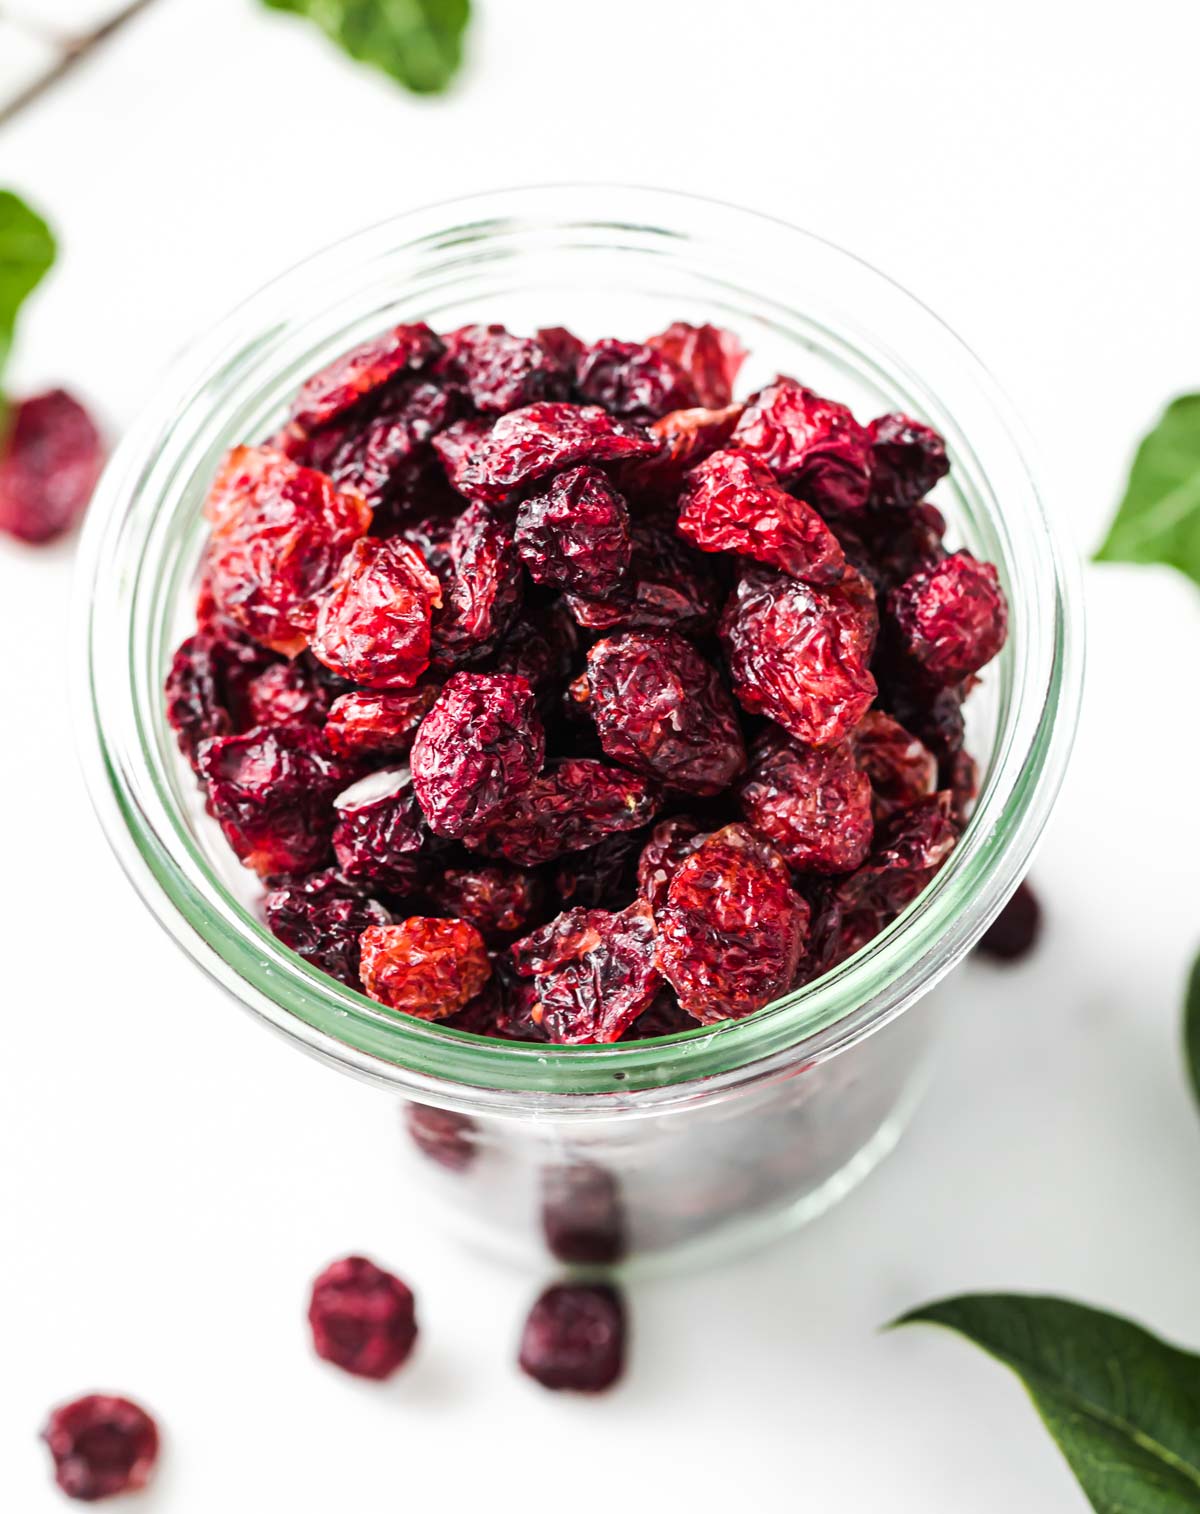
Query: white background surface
(172, 1176)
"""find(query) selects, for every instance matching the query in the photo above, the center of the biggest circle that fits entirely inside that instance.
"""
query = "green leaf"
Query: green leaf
(26, 252)
(417, 42)
(1191, 1027)
(1123, 1405)
(1158, 521)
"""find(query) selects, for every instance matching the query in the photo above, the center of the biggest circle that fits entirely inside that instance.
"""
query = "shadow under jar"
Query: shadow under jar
(655, 1150)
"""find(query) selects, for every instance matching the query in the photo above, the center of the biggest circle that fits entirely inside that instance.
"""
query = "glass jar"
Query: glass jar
(659, 1149)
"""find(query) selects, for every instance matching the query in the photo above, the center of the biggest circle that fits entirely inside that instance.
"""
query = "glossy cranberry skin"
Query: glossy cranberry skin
(373, 624)
(632, 380)
(661, 710)
(812, 444)
(574, 1338)
(501, 371)
(908, 458)
(812, 803)
(363, 1319)
(710, 356)
(574, 534)
(321, 917)
(51, 455)
(901, 769)
(362, 723)
(670, 842)
(500, 902)
(424, 967)
(1014, 932)
(952, 617)
(206, 686)
(685, 437)
(482, 591)
(669, 587)
(378, 454)
(454, 448)
(287, 693)
(360, 372)
(102, 1445)
(380, 833)
(529, 444)
(731, 503)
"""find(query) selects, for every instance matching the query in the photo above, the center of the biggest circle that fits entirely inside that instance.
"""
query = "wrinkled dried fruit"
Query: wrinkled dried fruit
(711, 357)
(360, 723)
(801, 655)
(952, 617)
(483, 589)
(380, 833)
(504, 1007)
(500, 902)
(671, 841)
(51, 456)
(373, 624)
(668, 587)
(731, 503)
(444, 1136)
(102, 1445)
(321, 917)
(371, 453)
(663, 1018)
(610, 978)
(287, 693)
(811, 444)
(540, 647)
(361, 371)
(206, 687)
(583, 1218)
(501, 371)
(423, 967)
(526, 445)
(901, 769)
(574, 1338)
(454, 447)
(603, 876)
(686, 437)
(1014, 932)
(908, 458)
(664, 712)
(637, 382)
(812, 803)
(575, 534)
(362, 1318)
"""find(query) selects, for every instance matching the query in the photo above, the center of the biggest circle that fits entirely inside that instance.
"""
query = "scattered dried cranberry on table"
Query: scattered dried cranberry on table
(680, 679)
(51, 455)
(574, 1338)
(363, 1319)
(102, 1445)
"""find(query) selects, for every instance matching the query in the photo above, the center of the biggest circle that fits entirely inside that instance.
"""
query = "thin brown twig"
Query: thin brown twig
(75, 52)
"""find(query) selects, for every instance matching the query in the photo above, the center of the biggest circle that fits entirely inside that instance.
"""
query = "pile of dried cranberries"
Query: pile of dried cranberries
(556, 695)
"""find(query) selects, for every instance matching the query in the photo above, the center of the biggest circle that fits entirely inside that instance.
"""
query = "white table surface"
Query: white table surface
(172, 1175)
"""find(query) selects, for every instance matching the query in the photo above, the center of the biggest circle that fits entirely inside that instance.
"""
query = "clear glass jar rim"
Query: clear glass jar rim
(469, 1071)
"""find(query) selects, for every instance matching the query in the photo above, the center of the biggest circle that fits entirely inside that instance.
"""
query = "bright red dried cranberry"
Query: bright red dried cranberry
(526, 445)
(362, 1318)
(575, 533)
(686, 437)
(908, 458)
(50, 460)
(480, 744)
(671, 841)
(361, 371)
(272, 791)
(500, 902)
(812, 444)
(731, 503)
(583, 1218)
(455, 446)
(380, 833)
(423, 967)
(636, 382)
(1014, 932)
(574, 1338)
(663, 711)
(562, 345)
(444, 1136)
(102, 1445)
(801, 655)
(575, 804)
(812, 803)
(483, 589)
(901, 769)
(952, 617)
(668, 587)
(373, 624)
(501, 371)
(279, 534)
(732, 932)
(711, 357)
(608, 981)
(603, 876)
(321, 917)
(361, 723)
(287, 693)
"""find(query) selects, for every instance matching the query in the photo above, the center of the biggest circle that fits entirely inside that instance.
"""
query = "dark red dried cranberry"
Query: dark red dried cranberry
(668, 587)
(671, 841)
(812, 444)
(443, 1135)
(504, 1007)
(636, 382)
(1014, 932)
(206, 688)
(711, 357)
(321, 917)
(540, 647)
(731, 503)
(500, 902)
(962, 776)
(574, 1338)
(564, 939)
(526, 445)
(603, 877)
(733, 930)
(583, 1218)
(102, 1445)
(663, 1018)
(361, 722)
(501, 371)
(423, 967)
(812, 803)
(483, 589)
(363, 1319)
(373, 624)
(362, 371)
(952, 617)
(663, 711)
(901, 769)
(562, 345)
(287, 693)
(480, 744)
(50, 460)
(908, 458)
(801, 655)
(380, 833)
(575, 533)
(454, 447)
(371, 453)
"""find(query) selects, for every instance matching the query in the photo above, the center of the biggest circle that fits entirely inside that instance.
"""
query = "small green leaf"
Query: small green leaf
(1123, 1405)
(1158, 521)
(1191, 1026)
(26, 252)
(417, 42)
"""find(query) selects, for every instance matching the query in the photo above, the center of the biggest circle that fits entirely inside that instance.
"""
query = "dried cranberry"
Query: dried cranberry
(952, 617)
(428, 968)
(102, 1445)
(321, 917)
(540, 647)
(526, 445)
(501, 371)
(206, 687)
(575, 804)
(598, 993)
(287, 693)
(901, 769)
(362, 1318)
(574, 1338)
(361, 371)
(583, 1218)
(962, 776)
(686, 437)
(50, 460)
(812, 444)
(575, 533)
(370, 454)
(671, 841)
(908, 458)
(504, 1007)
(711, 357)
(380, 832)
(889, 544)
(480, 744)
(603, 876)
(500, 902)
(812, 803)
(663, 1018)
(1014, 932)
(663, 711)
(445, 1137)
(668, 587)
(564, 939)
(456, 445)
(361, 723)
(373, 624)
(732, 932)
(483, 589)
(731, 503)
(562, 345)
(279, 534)
(801, 655)
(636, 382)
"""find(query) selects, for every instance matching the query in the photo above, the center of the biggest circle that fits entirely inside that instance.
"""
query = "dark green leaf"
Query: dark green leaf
(26, 252)
(417, 42)
(1159, 519)
(1191, 1026)
(1123, 1405)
